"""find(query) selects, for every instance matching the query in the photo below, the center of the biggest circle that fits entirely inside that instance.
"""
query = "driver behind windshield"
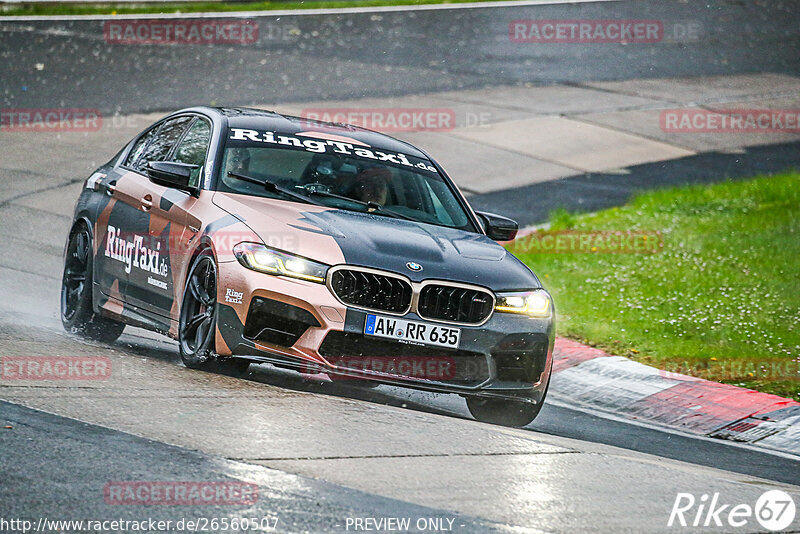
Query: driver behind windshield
(238, 160)
(406, 190)
(372, 185)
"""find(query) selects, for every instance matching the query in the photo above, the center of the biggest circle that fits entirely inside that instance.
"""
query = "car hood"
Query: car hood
(336, 236)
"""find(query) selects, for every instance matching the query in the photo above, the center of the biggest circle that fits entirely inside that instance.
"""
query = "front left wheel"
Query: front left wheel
(506, 412)
(77, 314)
(198, 321)
(503, 412)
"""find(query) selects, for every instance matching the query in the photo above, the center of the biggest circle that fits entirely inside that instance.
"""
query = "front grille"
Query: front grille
(277, 323)
(456, 304)
(364, 353)
(370, 290)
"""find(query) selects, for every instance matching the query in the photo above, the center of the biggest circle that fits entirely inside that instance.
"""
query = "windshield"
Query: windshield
(341, 175)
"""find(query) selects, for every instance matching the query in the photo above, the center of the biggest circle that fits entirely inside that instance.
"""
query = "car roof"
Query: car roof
(260, 119)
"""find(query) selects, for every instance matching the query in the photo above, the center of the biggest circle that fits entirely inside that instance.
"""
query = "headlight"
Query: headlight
(260, 258)
(533, 303)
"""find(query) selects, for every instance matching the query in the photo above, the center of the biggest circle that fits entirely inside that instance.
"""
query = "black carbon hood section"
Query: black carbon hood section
(444, 253)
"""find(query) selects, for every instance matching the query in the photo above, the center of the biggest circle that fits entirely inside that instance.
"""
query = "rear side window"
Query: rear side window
(162, 142)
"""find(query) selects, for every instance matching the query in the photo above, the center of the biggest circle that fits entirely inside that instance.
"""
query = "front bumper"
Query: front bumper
(301, 325)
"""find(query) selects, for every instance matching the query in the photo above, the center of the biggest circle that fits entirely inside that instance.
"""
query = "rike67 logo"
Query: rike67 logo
(774, 511)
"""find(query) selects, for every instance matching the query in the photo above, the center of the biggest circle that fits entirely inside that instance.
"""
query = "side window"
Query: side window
(193, 148)
(159, 147)
(139, 146)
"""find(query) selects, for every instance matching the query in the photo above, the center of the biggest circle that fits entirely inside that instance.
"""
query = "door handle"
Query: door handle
(111, 187)
(147, 202)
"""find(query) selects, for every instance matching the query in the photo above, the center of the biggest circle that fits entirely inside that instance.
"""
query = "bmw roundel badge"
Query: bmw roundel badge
(414, 266)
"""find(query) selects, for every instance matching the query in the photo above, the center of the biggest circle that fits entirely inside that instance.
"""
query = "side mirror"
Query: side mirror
(497, 227)
(171, 174)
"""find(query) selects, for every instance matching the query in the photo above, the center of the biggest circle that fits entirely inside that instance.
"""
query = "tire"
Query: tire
(77, 314)
(503, 412)
(198, 321)
(232, 366)
(364, 383)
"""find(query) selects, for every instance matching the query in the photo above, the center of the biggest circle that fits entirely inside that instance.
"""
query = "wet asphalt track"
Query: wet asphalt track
(323, 452)
(393, 447)
(313, 57)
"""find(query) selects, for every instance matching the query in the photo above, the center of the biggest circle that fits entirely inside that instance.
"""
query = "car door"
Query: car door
(157, 284)
(115, 220)
(147, 235)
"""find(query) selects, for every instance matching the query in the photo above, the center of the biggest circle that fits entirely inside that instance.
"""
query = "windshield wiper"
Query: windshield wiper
(372, 207)
(275, 188)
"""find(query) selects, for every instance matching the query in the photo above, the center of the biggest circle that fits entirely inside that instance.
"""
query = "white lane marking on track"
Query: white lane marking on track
(306, 12)
(54, 32)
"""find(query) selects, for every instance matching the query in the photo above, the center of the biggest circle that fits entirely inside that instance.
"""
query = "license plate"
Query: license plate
(414, 332)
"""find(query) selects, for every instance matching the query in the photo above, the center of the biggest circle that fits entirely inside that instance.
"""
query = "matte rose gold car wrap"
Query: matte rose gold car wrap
(309, 296)
(184, 224)
(209, 227)
(112, 302)
(284, 226)
(189, 224)
(114, 305)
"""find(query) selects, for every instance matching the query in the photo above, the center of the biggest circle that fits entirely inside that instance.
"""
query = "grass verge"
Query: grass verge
(719, 300)
(129, 8)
